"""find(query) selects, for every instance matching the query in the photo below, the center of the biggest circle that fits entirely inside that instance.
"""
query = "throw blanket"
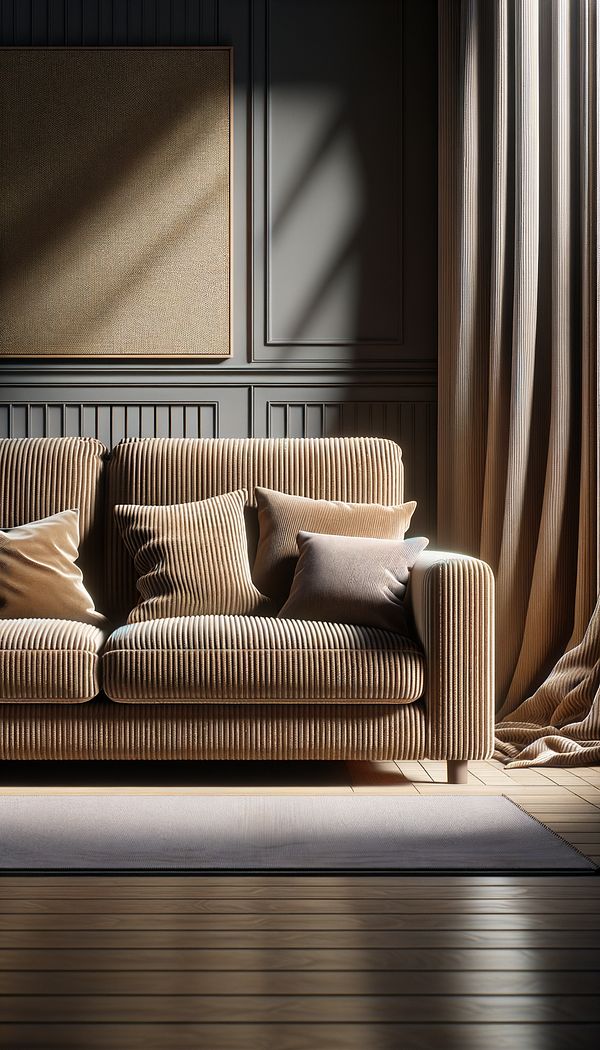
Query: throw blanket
(560, 724)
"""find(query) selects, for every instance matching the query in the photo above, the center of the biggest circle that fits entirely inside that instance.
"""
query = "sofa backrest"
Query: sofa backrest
(159, 471)
(41, 476)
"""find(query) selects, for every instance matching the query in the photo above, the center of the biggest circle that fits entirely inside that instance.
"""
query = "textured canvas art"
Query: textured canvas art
(115, 202)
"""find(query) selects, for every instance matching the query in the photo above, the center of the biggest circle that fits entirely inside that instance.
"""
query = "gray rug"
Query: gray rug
(277, 833)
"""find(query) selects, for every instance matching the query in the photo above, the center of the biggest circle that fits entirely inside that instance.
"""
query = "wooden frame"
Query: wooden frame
(116, 223)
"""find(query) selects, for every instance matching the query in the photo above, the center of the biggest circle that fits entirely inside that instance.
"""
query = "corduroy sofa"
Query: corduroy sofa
(240, 687)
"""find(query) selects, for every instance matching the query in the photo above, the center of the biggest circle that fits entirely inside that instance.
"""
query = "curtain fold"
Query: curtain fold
(518, 351)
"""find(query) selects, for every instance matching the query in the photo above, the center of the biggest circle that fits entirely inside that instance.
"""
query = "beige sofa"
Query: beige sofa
(236, 687)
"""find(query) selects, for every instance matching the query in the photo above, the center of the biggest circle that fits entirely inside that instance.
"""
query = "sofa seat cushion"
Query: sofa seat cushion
(54, 660)
(252, 658)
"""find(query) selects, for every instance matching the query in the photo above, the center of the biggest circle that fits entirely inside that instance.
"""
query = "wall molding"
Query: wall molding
(36, 373)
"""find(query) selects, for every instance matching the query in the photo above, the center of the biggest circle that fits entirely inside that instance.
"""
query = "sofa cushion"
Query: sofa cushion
(39, 575)
(191, 558)
(350, 579)
(282, 516)
(246, 658)
(54, 660)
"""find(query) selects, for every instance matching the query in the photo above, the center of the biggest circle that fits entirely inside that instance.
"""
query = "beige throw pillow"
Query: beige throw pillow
(38, 575)
(281, 517)
(191, 558)
(344, 579)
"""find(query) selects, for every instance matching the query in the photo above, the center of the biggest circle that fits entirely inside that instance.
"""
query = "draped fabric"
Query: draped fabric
(518, 351)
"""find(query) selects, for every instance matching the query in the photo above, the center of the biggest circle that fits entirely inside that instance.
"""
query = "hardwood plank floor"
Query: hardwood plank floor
(305, 963)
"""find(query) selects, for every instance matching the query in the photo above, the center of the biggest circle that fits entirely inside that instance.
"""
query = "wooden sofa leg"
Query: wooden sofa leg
(457, 772)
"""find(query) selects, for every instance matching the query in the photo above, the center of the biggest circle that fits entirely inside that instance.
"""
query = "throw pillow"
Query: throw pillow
(344, 579)
(281, 517)
(190, 558)
(38, 574)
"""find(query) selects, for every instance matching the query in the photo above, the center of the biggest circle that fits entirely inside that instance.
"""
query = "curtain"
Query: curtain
(518, 394)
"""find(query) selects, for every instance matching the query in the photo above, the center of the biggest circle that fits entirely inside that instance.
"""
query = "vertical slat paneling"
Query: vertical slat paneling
(5, 424)
(90, 22)
(106, 23)
(18, 421)
(119, 25)
(109, 423)
(410, 423)
(208, 421)
(56, 22)
(133, 23)
(192, 23)
(178, 21)
(74, 23)
(39, 21)
(7, 22)
(163, 22)
(21, 22)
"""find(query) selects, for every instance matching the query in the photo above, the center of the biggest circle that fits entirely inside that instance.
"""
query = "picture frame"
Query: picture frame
(116, 216)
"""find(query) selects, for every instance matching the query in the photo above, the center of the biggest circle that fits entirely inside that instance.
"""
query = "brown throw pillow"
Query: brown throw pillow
(281, 517)
(345, 579)
(191, 558)
(38, 575)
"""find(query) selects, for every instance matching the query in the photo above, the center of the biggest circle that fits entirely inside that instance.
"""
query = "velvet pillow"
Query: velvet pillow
(281, 517)
(38, 574)
(190, 558)
(345, 579)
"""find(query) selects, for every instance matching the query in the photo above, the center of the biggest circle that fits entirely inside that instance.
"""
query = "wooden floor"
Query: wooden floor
(311, 963)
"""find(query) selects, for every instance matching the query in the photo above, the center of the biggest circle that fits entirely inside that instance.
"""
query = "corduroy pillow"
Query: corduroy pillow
(281, 517)
(190, 558)
(356, 580)
(38, 574)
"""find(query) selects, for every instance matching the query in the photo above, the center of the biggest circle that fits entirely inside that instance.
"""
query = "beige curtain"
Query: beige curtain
(519, 106)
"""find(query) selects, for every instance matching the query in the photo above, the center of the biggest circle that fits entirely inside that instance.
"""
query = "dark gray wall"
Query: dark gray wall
(334, 232)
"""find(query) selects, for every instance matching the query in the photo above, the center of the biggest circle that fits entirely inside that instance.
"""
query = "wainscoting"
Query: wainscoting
(238, 411)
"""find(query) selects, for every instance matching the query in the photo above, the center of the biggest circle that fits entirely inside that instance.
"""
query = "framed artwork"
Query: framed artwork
(115, 202)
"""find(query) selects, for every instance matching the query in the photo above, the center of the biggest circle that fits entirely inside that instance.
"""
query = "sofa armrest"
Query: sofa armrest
(452, 601)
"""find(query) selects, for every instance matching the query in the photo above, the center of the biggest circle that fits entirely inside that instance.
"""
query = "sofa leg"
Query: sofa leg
(457, 772)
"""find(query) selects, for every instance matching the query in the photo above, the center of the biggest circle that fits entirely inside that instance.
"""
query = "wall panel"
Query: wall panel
(344, 167)
(333, 174)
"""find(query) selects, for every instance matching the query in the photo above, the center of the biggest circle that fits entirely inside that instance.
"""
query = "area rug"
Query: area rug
(271, 833)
